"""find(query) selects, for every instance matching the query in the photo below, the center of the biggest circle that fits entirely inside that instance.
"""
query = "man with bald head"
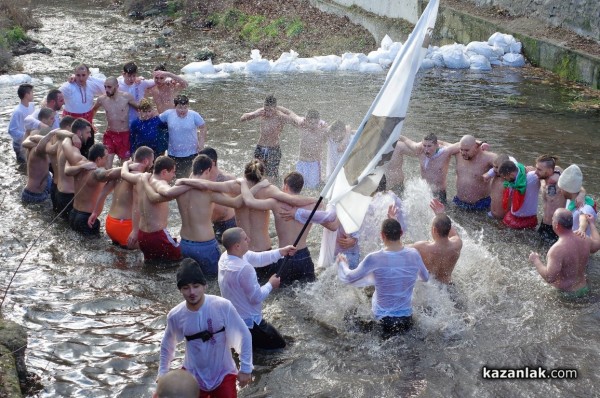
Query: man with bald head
(116, 104)
(177, 383)
(567, 259)
(472, 191)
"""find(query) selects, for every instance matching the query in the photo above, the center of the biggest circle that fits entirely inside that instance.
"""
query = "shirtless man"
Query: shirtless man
(434, 160)
(39, 179)
(123, 214)
(223, 217)
(154, 239)
(394, 174)
(312, 139)
(441, 254)
(88, 185)
(300, 266)
(196, 208)
(252, 220)
(567, 259)
(272, 120)
(69, 150)
(116, 104)
(167, 86)
(472, 192)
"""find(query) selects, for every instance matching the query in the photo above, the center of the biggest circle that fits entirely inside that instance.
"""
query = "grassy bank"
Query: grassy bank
(15, 20)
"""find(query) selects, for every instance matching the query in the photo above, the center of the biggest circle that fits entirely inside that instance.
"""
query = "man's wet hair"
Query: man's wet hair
(181, 100)
(254, 171)
(130, 68)
(66, 122)
(507, 167)
(210, 152)
(143, 153)
(391, 229)
(294, 181)
(431, 137)
(270, 100)
(200, 164)
(79, 124)
(548, 160)
(163, 163)
(564, 219)
(96, 151)
(161, 67)
(45, 113)
(24, 89)
(83, 66)
(53, 95)
(442, 225)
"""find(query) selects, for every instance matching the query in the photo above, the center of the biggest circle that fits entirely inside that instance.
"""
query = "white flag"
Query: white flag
(362, 165)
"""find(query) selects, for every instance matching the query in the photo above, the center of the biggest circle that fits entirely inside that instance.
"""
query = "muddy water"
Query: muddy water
(95, 315)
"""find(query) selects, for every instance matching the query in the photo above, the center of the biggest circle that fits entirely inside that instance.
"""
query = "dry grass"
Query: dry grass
(16, 13)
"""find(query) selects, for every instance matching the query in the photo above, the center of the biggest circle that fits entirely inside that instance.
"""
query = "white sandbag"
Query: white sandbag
(286, 62)
(501, 40)
(516, 48)
(479, 62)
(257, 64)
(230, 67)
(386, 42)
(482, 48)
(328, 63)
(516, 60)
(203, 67)
(427, 64)
(367, 67)
(14, 80)
(352, 61)
(455, 57)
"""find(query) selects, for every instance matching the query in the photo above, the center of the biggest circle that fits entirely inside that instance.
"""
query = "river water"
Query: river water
(95, 315)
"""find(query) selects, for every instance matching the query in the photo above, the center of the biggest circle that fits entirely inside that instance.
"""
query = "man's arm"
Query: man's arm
(202, 131)
(595, 236)
(231, 186)
(104, 175)
(71, 153)
(166, 191)
(72, 171)
(415, 147)
(106, 190)
(238, 336)
(292, 200)
(127, 175)
(252, 115)
(257, 204)
(226, 200)
(550, 272)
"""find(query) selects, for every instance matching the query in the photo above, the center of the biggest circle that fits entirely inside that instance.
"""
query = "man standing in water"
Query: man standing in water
(272, 120)
(168, 85)
(116, 104)
(239, 284)
(212, 328)
(434, 160)
(472, 192)
(441, 254)
(394, 271)
(567, 259)
(16, 126)
(570, 184)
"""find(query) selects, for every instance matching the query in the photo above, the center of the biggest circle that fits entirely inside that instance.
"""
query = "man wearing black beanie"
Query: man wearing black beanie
(211, 327)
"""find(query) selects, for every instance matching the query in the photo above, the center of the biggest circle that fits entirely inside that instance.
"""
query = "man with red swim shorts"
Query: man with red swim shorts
(153, 237)
(521, 189)
(116, 104)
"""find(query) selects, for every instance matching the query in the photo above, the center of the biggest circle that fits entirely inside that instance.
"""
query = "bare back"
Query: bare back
(196, 209)
(440, 257)
(497, 194)
(220, 212)
(121, 207)
(571, 253)
(288, 230)
(37, 171)
(88, 189)
(64, 183)
(255, 223)
(153, 216)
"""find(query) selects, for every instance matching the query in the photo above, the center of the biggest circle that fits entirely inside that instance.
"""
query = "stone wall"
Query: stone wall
(580, 16)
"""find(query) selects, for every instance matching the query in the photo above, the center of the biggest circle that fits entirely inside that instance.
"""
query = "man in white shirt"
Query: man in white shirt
(16, 126)
(55, 101)
(211, 327)
(239, 284)
(134, 85)
(393, 271)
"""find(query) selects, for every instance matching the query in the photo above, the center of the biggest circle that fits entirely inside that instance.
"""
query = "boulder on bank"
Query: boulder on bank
(13, 372)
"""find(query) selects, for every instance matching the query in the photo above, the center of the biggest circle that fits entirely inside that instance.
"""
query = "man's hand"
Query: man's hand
(580, 233)
(244, 378)
(437, 206)
(346, 242)
(341, 258)
(132, 240)
(533, 257)
(288, 250)
(486, 177)
(89, 166)
(275, 281)
(92, 219)
(392, 211)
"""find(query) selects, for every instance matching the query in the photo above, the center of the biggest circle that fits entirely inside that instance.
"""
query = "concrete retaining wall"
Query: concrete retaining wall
(456, 26)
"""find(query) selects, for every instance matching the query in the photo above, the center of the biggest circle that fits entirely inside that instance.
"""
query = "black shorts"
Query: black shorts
(547, 234)
(270, 156)
(64, 201)
(221, 226)
(78, 221)
(266, 337)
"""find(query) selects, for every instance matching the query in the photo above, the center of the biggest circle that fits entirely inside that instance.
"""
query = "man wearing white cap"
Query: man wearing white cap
(569, 183)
